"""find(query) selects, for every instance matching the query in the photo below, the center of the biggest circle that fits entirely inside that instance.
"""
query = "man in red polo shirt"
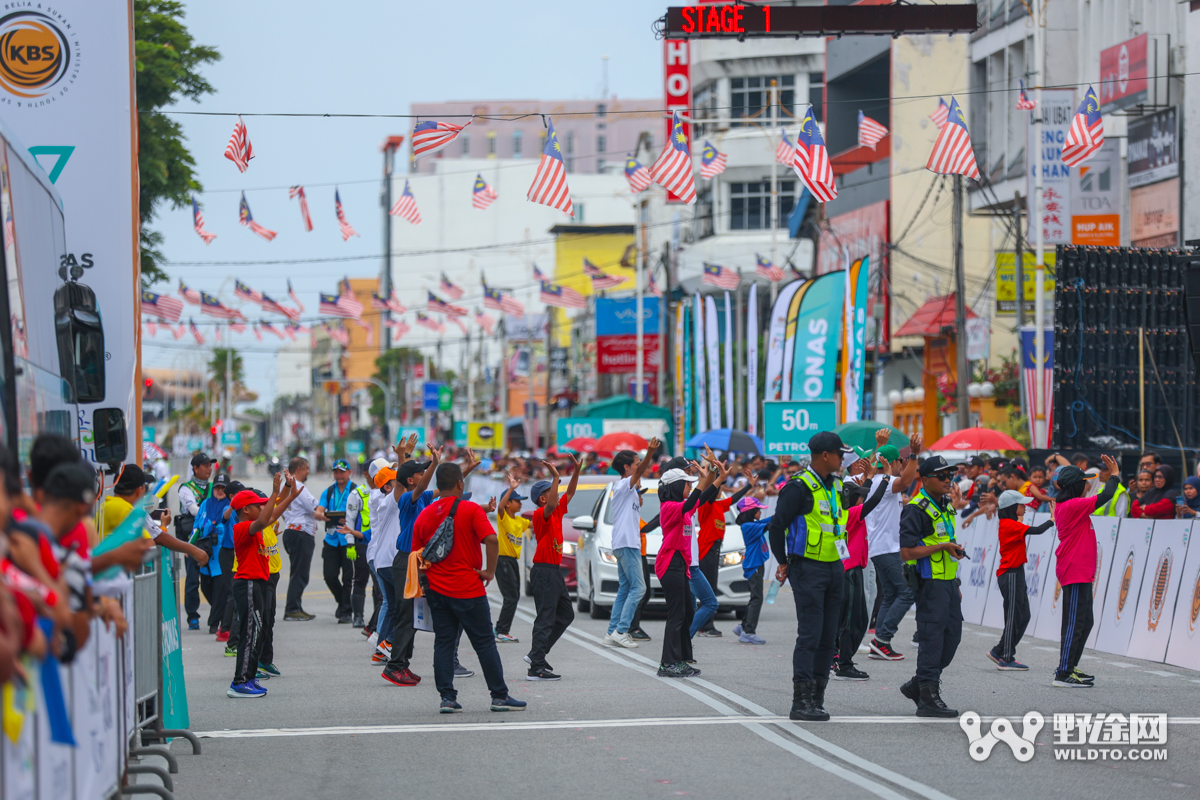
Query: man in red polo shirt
(550, 598)
(457, 593)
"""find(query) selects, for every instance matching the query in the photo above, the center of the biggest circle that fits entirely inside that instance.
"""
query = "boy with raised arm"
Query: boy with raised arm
(250, 584)
(550, 598)
(627, 542)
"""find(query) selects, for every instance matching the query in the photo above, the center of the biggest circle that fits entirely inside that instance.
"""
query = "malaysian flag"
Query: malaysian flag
(198, 223)
(244, 292)
(257, 332)
(600, 279)
(151, 326)
(486, 321)
(237, 327)
(673, 168)
(246, 219)
(637, 175)
(654, 288)
(538, 275)
(346, 228)
(296, 300)
(297, 327)
(785, 151)
(239, 150)
(449, 288)
(406, 206)
(1086, 135)
(561, 296)
(952, 153)
(426, 321)
(812, 160)
(940, 116)
(196, 333)
(178, 332)
(720, 276)
(869, 131)
(305, 217)
(482, 195)
(549, 187)
(439, 305)
(217, 335)
(429, 137)
(1023, 101)
(334, 305)
(269, 304)
(190, 295)
(269, 328)
(339, 334)
(214, 308)
(459, 323)
(379, 302)
(765, 269)
(289, 333)
(163, 306)
(392, 303)
(712, 163)
(366, 326)
(499, 301)
(399, 328)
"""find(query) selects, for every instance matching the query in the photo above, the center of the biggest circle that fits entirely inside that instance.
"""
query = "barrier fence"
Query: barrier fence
(120, 695)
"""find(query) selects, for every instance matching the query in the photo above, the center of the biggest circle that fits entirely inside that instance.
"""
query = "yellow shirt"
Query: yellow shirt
(271, 542)
(116, 509)
(512, 533)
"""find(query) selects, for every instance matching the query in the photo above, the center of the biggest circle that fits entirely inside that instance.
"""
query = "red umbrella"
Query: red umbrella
(614, 442)
(976, 439)
(581, 444)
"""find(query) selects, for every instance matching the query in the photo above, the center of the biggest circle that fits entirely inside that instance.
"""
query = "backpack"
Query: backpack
(438, 546)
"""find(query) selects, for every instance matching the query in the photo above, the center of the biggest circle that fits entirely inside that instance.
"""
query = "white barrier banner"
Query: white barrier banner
(1160, 585)
(981, 542)
(1184, 648)
(1108, 529)
(1124, 583)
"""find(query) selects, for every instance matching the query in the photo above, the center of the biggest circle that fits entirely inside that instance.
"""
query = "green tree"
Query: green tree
(167, 62)
(216, 368)
(398, 358)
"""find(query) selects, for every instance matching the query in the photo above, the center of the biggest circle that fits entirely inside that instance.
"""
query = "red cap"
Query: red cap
(246, 497)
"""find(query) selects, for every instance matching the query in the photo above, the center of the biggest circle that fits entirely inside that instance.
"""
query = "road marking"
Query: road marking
(1122, 664)
(1162, 673)
(1047, 649)
(755, 724)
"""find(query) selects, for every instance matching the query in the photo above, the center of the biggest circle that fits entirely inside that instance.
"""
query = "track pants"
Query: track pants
(1077, 623)
(554, 612)
(508, 578)
(681, 609)
(248, 597)
(1016, 612)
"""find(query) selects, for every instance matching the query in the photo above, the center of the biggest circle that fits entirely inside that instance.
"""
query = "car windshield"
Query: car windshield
(649, 507)
(584, 501)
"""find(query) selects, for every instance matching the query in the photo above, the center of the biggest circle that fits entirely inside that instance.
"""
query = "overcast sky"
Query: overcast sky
(360, 57)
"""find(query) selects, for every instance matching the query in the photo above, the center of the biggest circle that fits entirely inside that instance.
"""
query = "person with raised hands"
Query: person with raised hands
(711, 535)
(627, 542)
(512, 527)
(551, 601)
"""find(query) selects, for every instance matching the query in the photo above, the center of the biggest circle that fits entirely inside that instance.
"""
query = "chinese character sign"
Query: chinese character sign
(1057, 109)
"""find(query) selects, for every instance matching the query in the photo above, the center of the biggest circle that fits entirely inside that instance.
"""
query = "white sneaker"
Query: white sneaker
(611, 639)
(373, 639)
(625, 640)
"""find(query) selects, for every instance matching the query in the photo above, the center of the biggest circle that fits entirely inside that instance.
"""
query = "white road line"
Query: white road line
(1122, 664)
(805, 754)
(1162, 673)
(1047, 649)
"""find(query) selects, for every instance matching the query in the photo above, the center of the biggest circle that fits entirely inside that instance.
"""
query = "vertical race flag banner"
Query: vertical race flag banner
(1029, 364)
(729, 419)
(752, 361)
(789, 341)
(677, 358)
(689, 418)
(698, 357)
(773, 378)
(712, 345)
(74, 109)
(818, 333)
(854, 346)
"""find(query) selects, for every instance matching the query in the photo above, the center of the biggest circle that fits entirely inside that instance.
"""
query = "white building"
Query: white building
(293, 368)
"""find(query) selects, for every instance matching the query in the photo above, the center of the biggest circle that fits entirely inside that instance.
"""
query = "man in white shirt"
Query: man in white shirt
(191, 495)
(299, 540)
(885, 496)
(381, 552)
(627, 542)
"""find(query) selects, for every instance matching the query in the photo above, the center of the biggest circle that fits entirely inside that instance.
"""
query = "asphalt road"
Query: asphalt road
(330, 727)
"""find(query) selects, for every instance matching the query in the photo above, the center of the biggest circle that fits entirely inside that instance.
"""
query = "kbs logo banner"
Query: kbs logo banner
(36, 58)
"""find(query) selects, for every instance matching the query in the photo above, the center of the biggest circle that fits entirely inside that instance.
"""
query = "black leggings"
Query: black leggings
(681, 608)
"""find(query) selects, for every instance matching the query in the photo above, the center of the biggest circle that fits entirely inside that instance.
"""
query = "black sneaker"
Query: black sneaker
(541, 674)
(508, 704)
(674, 670)
(849, 672)
(711, 633)
(692, 672)
(1083, 676)
(1071, 681)
(884, 652)
(450, 707)
(639, 635)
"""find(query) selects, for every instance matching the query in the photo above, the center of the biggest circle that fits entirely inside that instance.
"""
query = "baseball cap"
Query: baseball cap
(246, 497)
(538, 490)
(678, 462)
(676, 475)
(200, 459)
(1011, 497)
(132, 476)
(1069, 475)
(221, 480)
(889, 452)
(233, 487)
(517, 496)
(749, 504)
(341, 464)
(384, 475)
(827, 442)
(410, 468)
(975, 461)
(73, 480)
(377, 465)
(997, 463)
(934, 465)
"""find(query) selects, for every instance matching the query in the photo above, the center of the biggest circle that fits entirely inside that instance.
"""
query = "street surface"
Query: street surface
(330, 727)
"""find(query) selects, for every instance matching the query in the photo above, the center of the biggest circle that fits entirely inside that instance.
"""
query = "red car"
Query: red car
(587, 498)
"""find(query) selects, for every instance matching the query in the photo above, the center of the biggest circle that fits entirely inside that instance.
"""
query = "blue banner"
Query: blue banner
(619, 317)
(818, 334)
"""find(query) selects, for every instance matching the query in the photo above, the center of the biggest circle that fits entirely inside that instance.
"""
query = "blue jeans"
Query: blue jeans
(387, 610)
(451, 617)
(705, 597)
(630, 589)
(897, 595)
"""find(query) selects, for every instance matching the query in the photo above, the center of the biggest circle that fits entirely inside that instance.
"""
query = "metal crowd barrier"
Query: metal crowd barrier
(113, 691)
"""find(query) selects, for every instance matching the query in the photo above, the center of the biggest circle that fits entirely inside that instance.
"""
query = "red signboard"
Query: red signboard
(1123, 75)
(418, 370)
(618, 354)
(677, 91)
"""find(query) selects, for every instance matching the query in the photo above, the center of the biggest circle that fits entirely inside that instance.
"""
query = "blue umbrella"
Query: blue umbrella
(730, 440)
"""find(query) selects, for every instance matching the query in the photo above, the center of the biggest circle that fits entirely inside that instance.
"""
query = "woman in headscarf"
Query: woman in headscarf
(1159, 501)
(1191, 499)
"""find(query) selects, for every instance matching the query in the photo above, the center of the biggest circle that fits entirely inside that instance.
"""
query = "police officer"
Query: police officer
(811, 520)
(928, 546)
(358, 517)
(191, 495)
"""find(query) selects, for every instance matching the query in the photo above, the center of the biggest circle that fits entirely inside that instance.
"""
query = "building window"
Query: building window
(816, 94)
(750, 205)
(516, 144)
(578, 209)
(600, 163)
(601, 144)
(571, 142)
(703, 219)
(491, 137)
(748, 96)
(601, 109)
(466, 144)
(787, 201)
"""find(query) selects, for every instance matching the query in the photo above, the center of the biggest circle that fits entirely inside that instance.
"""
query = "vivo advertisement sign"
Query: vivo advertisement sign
(619, 317)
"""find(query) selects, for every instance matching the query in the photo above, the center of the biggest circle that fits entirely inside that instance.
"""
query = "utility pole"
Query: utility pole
(1020, 265)
(739, 380)
(1039, 322)
(390, 146)
(960, 309)
(774, 100)
(228, 415)
(639, 268)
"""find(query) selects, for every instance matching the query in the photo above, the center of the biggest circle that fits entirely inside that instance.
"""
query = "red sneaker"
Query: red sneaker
(401, 677)
(884, 652)
(222, 636)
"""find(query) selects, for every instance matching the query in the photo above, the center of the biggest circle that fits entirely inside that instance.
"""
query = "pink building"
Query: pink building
(595, 134)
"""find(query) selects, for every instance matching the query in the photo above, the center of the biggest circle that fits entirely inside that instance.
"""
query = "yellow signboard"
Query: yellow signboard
(1006, 282)
(485, 436)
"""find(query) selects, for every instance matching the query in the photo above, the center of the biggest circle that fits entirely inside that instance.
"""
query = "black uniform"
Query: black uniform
(939, 602)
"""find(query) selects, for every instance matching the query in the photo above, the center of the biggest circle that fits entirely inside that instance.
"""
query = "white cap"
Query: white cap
(377, 465)
(676, 475)
(1011, 497)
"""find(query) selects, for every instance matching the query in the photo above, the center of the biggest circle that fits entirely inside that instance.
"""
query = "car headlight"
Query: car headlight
(607, 556)
(732, 559)
(569, 548)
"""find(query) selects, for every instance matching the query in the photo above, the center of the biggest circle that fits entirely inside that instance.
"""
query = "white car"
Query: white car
(596, 566)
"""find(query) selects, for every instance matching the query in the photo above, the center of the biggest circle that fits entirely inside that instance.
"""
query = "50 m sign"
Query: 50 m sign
(789, 424)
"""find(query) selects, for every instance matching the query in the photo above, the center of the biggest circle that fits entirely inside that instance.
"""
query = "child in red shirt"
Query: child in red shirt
(550, 598)
(250, 584)
(1011, 576)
